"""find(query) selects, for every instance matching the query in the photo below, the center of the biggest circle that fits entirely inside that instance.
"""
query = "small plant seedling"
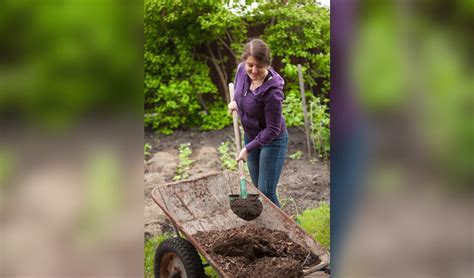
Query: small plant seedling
(146, 150)
(184, 163)
(296, 155)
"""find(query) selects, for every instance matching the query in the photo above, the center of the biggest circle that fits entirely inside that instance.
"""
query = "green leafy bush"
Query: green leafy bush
(292, 109)
(217, 118)
(192, 49)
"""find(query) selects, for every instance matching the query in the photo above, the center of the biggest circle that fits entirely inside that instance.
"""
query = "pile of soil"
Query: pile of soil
(242, 252)
(247, 209)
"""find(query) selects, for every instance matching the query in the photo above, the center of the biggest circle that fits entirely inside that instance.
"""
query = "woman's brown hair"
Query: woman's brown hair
(259, 50)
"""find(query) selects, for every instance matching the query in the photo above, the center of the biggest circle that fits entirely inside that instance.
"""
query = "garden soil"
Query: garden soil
(304, 182)
(247, 209)
(242, 252)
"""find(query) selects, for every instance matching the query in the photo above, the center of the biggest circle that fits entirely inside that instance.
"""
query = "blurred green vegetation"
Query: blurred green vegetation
(192, 50)
(63, 60)
(102, 196)
(414, 61)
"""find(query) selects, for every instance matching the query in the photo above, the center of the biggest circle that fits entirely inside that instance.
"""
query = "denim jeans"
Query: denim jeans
(265, 164)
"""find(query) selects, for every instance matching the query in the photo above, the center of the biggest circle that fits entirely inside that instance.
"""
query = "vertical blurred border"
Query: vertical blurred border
(71, 138)
(402, 133)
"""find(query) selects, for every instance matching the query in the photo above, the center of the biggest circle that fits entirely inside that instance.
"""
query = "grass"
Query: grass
(315, 221)
(150, 248)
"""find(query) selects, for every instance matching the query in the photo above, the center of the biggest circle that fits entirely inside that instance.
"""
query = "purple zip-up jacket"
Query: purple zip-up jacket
(260, 111)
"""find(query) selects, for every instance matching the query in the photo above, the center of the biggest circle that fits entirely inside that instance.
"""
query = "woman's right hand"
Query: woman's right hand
(232, 106)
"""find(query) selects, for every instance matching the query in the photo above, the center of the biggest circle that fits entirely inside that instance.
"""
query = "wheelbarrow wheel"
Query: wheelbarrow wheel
(177, 258)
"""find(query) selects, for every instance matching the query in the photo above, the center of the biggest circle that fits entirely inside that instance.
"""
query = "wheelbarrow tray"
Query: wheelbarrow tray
(202, 204)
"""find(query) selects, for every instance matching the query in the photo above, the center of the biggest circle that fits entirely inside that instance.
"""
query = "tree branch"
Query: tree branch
(222, 79)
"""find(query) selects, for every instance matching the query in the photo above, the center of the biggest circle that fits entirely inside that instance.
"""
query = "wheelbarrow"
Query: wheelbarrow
(202, 205)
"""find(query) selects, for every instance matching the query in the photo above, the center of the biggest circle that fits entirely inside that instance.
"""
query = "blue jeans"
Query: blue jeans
(265, 164)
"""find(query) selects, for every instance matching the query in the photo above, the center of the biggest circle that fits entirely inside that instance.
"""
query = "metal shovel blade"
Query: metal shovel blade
(246, 209)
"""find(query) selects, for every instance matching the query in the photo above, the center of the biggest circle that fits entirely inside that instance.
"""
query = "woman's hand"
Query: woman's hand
(242, 155)
(232, 106)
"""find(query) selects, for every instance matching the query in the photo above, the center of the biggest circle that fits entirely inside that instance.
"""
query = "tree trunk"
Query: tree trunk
(220, 72)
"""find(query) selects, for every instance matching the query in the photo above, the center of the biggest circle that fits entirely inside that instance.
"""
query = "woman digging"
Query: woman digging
(258, 100)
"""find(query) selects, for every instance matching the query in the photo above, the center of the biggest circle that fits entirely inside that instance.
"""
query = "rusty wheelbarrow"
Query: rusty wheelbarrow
(202, 205)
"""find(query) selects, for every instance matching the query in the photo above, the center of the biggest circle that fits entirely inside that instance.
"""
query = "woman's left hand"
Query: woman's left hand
(242, 155)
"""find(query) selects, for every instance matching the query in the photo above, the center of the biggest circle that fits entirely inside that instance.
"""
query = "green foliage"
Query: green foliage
(187, 42)
(83, 64)
(316, 222)
(178, 88)
(227, 156)
(320, 131)
(217, 118)
(292, 109)
(296, 155)
(184, 163)
(150, 248)
(146, 150)
(8, 165)
(293, 24)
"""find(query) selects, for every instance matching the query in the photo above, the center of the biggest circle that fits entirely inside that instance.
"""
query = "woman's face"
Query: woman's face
(254, 69)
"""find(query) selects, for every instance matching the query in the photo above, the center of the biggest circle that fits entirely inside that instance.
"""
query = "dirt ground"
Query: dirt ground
(242, 252)
(304, 183)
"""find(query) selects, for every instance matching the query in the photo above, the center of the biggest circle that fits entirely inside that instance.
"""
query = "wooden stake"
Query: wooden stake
(303, 98)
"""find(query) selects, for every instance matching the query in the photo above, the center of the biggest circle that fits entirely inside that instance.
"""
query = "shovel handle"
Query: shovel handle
(235, 119)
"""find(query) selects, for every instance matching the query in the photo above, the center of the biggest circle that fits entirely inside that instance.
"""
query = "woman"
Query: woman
(258, 101)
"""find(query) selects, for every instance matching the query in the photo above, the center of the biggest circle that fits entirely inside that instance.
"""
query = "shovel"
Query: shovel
(244, 205)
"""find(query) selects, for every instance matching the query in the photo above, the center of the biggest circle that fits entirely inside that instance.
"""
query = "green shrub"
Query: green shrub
(216, 118)
(292, 109)
(187, 43)
(316, 222)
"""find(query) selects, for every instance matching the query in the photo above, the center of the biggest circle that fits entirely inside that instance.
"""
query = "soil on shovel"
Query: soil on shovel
(247, 209)
(242, 252)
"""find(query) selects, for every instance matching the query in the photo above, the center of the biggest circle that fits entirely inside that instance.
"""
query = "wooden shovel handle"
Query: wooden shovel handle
(235, 119)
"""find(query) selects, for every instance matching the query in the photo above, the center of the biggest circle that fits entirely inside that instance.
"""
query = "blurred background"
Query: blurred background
(402, 139)
(71, 138)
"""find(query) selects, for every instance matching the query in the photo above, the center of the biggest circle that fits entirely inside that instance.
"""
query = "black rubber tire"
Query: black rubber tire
(186, 253)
